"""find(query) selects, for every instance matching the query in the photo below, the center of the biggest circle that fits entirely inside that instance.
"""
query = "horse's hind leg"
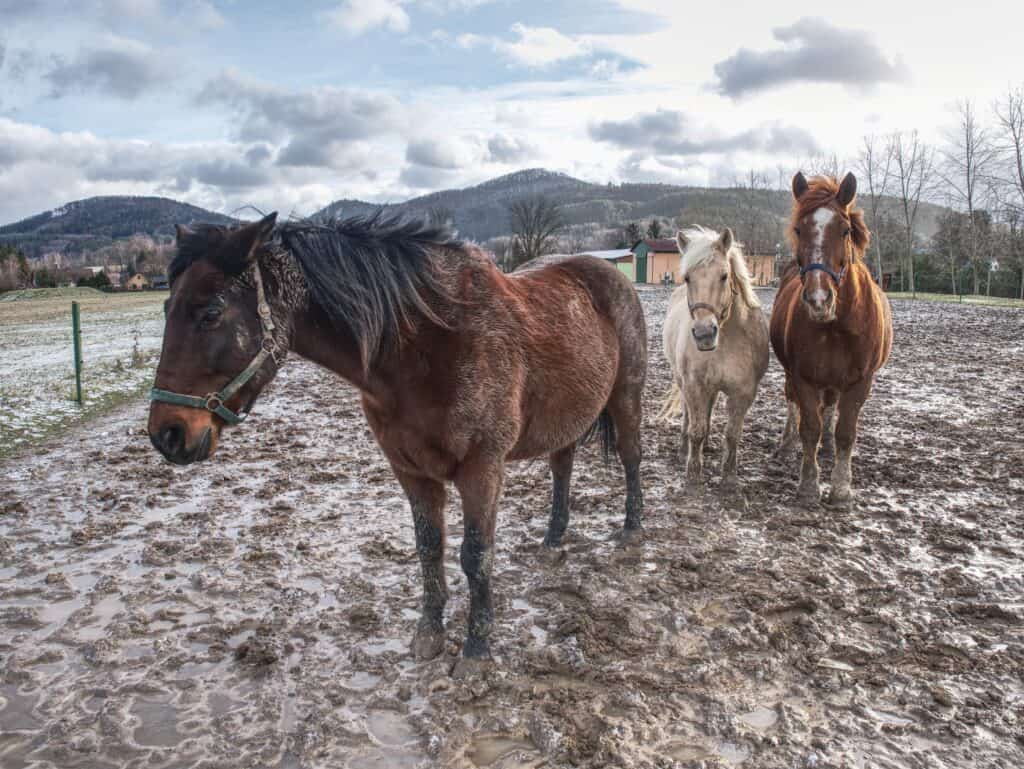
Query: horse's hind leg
(479, 484)
(561, 474)
(810, 436)
(791, 432)
(427, 500)
(624, 409)
(828, 429)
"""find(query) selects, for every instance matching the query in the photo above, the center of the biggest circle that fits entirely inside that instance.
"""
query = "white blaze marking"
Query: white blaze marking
(822, 218)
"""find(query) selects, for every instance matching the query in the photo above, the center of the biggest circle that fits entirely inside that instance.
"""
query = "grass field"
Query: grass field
(121, 335)
(992, 301)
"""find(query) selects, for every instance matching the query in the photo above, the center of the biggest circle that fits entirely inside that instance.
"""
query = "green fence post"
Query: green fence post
(76, 335)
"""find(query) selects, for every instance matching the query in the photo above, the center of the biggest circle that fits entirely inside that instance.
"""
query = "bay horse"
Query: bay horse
(716, 341)
(461, 368)
(831, 327)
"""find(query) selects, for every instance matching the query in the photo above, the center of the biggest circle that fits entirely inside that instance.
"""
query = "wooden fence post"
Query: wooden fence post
(76, 335)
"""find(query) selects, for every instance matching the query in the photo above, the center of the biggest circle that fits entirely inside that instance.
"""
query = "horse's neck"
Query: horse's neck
(852, 297)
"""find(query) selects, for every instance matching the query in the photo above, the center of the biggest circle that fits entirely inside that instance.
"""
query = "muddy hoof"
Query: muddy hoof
(694, 489)
(633, 537)
(467, 668)
(733, 498)
(840, 500)
(428, 641)
(553, 556)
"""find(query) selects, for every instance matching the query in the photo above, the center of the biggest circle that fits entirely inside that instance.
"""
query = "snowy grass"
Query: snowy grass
(121, 336)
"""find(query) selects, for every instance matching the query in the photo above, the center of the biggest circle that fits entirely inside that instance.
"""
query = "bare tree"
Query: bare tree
(966, 162)
(654, 228)
(1009, 113)
(1009, 143)
(874, 164)
(536, 221)
(753, 230)
(913, 167)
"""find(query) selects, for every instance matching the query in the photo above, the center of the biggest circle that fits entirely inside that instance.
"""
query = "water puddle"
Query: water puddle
(762, 718)
(16, 709)
(389, 729)
(158, 722)
(486, 751)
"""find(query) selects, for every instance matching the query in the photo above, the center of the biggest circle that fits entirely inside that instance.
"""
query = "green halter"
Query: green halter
(215, 402)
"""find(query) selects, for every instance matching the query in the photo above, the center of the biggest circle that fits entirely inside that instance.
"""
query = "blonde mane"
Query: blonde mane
(700, 248)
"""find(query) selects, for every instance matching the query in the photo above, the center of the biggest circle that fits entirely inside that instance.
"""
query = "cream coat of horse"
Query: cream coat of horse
(716, 341)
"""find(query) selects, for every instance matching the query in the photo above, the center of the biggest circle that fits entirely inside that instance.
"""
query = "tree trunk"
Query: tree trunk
(974, 269)
(878, 258)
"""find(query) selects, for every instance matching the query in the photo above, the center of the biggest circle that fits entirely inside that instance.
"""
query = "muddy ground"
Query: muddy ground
(256, 611)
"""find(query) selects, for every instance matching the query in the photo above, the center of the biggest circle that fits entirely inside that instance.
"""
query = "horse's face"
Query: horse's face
(824, 247)
(212, 333)
(709, 292)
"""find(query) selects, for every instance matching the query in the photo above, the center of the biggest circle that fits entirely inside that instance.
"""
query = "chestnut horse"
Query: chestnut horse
(831, 327)
(461, 368)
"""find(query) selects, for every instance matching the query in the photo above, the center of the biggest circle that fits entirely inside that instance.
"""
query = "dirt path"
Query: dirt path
(256, 611)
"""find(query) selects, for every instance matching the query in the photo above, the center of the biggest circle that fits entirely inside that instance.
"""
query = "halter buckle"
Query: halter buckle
(213, 402)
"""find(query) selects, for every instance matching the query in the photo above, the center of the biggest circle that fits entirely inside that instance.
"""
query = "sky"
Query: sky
(290, 106)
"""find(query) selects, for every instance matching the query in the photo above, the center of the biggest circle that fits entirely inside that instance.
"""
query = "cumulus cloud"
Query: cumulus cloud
(313, 125)
(813, 51)
(355, 17)
(509, 149)
(668, 132)
(118, 67)
(545, 47)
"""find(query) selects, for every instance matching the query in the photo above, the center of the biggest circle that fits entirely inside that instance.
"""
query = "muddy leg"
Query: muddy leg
(698, 407)
(810, 435)
(427, 500)
(684, 451)
(479, 485)
(561, 473)
(624, 409)
(738, 406)
(790, 433)
(850, 404)
(828, 430)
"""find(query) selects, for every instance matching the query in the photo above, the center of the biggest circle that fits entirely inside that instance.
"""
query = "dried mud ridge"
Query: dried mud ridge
(256, 611)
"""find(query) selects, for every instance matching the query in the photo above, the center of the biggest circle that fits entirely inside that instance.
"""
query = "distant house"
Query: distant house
(654, 258)
(621, 257)
(137, 282)
(115, 272)
(159, 283)
(761, 268)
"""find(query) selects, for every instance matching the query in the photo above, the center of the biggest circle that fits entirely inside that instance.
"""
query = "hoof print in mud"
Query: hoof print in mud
(629, 537)
(552, 556)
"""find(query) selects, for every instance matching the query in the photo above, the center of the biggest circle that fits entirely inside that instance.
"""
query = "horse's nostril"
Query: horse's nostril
(171, 439)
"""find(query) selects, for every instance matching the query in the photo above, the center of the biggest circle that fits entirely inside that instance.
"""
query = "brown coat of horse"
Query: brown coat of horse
(831, 327)
(461, 368)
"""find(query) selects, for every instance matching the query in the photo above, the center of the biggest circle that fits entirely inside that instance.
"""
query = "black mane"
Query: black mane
(371, 275)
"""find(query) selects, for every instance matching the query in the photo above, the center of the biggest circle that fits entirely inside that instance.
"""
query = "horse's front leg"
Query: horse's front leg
(427, 499)
(479, 484)
(850, 403)
(738, 406)
(698, 413)
(809, 402)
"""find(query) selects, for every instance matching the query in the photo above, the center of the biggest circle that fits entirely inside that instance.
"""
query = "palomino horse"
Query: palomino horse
(461, 368)
(831, 327)
(716, 341)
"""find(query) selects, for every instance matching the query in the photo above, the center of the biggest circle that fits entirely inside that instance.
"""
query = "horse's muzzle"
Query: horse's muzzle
(171, 441)
(705, 335)
(820, 303)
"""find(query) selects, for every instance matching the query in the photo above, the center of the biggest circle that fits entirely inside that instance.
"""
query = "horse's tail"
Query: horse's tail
(671, 405)
(606, 427)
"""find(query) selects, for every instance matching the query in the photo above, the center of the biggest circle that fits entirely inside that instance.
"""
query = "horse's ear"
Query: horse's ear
(725, 240)
(181, 232)
(847, 190)
(681, 241)
(251, 236)
(799, 185)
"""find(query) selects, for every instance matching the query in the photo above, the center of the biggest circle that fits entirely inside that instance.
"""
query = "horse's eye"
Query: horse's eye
(846, 232)
(797, 231)
(211, 315)
(724, 278)
(686, 279)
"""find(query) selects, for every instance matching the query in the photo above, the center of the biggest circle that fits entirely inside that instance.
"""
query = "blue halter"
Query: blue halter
(824, 268)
